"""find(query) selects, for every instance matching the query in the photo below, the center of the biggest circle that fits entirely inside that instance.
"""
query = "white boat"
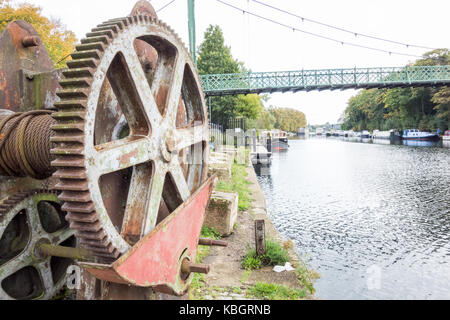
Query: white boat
(319, 131)
(414, 134)
(365, 134)
(391, 134)
(446, 136)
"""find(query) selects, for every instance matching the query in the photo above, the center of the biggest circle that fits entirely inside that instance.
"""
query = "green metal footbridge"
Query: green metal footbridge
(325, 79)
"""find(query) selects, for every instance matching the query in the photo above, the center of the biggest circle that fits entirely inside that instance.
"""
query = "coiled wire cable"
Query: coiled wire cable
(25, 144)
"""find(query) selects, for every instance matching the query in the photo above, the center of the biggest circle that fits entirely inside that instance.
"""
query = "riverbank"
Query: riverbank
(228, 280)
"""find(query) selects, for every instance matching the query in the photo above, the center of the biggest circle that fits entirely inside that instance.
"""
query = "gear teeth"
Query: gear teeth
(89, 47)
(70, 138)
(72, 174)
(102, 39)
(75, 196)
(111, 257)
(123, 20)
(68, 127)
(94, 243)
(76, 82)
(72, 185)
(90, 235)
(78, 93)
(94, 54)
(85, 218)
(78, 73)
(70, 104)
(79, 207)
(82, 63)
(11, 203)
(71, 162)
(89, 227)
(95, 34)
(118, 24)
(69, 115)
(108, 249)
(74, 138)
(113, 28)
(67, 151)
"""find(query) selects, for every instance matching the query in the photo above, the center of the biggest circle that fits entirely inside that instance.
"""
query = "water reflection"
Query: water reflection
(357, 207)
(413, 143)
(410, 143)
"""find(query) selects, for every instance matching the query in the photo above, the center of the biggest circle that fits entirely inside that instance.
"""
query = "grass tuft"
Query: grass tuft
(272, 291)
(275, 255)
(238, 184)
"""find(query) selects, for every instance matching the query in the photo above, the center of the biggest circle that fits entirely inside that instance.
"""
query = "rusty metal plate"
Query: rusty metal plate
(155, 261)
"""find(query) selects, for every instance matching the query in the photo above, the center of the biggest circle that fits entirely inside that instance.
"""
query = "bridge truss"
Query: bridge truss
(325, 79)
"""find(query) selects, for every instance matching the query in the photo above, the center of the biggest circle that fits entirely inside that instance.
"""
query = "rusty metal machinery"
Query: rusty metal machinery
(27, 221)
(122, 135)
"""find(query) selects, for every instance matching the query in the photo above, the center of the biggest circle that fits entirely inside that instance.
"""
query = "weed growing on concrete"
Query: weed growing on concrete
(210, 233)
(238, 184)
(275, 255)
(272, 291)
(306, 276)
(247, 274)
(251, 262)
(197, 286)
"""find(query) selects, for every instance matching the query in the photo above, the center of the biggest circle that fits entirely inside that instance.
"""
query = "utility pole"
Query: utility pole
(192, 40)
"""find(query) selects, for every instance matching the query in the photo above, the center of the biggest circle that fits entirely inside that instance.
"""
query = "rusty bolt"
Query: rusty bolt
(211, 242)
(187, 267)
(170, 143)
(31, 41)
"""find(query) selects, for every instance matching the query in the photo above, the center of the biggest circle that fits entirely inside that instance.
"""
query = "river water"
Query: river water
(372, 219)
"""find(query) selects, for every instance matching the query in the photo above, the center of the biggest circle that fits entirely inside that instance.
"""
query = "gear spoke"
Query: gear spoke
(175, 90)
(35, 223)
(187, 137)
(143, 89)
(17, 263)
(178, 177)
(46, 276)
(135, 211)
(154, 200)
(150, 88)
(60, 236)
(122, 154)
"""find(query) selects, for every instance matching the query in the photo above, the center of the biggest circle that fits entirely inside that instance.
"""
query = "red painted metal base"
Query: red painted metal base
(155, 261)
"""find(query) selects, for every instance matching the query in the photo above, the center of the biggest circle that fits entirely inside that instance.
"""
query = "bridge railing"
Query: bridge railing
(325, 78)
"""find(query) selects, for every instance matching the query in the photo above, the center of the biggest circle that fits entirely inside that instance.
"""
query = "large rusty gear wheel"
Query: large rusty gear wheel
(117, 189)
(28, 219)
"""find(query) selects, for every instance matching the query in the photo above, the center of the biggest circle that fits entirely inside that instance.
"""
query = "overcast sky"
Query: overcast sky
(264, 46)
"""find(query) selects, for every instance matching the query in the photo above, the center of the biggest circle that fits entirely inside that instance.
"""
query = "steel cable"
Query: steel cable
(25, 144)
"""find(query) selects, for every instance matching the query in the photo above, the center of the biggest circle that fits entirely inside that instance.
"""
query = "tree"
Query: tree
(58, 41)
(215, 58)
(249, 106)
(288, 119)
(401, 108)
(265, 120)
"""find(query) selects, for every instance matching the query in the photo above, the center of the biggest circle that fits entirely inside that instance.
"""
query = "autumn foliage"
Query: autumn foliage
(58, 41)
